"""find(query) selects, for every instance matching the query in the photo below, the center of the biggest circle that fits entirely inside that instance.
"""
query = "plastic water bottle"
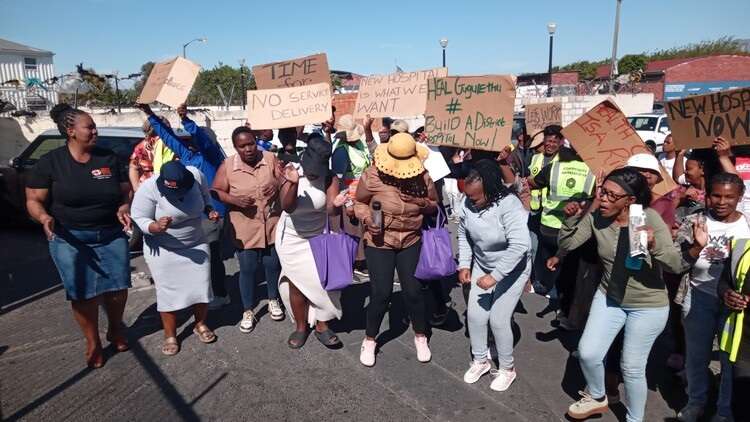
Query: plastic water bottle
(638, 238)
(376, 214)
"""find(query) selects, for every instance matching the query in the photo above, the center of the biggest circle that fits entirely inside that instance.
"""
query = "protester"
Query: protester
(549, 144)
(405, 192)
(169, 210)
(148, 156)
(288, 152)
(350, 159)
(205, 155)
(520, 158)
(668, 157)
(80, 194)
(701, 305)
(494, 246)
(632, 297)
(248, 183)
(734, 339)
(309, 194)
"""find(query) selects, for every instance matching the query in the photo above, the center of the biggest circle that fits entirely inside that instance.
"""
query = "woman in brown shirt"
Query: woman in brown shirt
(248, 183)
(399, 183)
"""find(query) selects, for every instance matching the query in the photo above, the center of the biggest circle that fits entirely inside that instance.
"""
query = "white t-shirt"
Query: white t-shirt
(710, 264)
(668, 164)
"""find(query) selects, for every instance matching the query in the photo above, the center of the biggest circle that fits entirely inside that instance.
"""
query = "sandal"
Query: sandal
(96, 359)
(205, 335)
(170, 347)
(298, 339)
(328, 338)
(120, 342)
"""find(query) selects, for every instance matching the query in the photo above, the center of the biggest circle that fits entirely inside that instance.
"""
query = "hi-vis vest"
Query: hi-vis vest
(731, 334)
(359, 158)
(537, 162)
(568, 180)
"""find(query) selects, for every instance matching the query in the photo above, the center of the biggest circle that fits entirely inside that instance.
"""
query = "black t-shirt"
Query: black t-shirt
(82, 195)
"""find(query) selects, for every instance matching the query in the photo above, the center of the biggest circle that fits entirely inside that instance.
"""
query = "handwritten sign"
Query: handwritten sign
(402, 94)
(696, 121)
(289, 107)
(605, 140)
(170, 82)
(539, 116)
(470, 112)
(295, 72)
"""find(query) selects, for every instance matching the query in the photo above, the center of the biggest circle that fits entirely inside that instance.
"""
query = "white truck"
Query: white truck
(652, 128)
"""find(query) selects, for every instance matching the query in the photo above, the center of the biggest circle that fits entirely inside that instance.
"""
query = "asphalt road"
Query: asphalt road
(257, 377)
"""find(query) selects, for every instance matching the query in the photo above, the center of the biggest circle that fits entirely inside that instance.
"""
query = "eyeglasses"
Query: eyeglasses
(611, 196)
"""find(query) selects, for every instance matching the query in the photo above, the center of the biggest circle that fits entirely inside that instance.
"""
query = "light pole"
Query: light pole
(551, 27)
(613, 66)
(184, 46)
(243, 94)
(444, 44)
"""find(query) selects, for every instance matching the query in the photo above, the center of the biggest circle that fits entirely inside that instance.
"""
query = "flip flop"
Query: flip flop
(298, 337)
(170, 347)
(328, 338)
(120, 342)
(205, 335)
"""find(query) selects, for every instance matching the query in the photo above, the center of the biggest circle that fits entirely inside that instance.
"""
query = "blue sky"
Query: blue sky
(363, 37)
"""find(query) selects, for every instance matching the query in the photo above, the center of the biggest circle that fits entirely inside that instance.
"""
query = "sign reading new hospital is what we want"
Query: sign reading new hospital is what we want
(289, 107)
(696, 121)
(401, 94)
(473, 112)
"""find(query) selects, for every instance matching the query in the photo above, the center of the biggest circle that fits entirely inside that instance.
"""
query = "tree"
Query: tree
(723, 45)
(145, 72)
(631, 63)
(205, 91)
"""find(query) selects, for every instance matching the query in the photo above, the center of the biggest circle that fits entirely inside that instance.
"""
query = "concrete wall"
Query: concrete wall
(574, 106)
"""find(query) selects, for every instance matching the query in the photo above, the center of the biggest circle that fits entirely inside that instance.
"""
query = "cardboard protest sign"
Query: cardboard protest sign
(605, 140)
(436, 165)
(470, 112)
(295, 72)
(539, 116)
(170, 82)
(696, 121)
(402, 94)
(289, 107)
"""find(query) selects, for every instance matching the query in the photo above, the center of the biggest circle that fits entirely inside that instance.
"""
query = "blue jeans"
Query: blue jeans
(702, 319)
(642, 326)
(249, 260)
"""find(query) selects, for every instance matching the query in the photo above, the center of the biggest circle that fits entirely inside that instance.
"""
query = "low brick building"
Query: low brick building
(677, 78)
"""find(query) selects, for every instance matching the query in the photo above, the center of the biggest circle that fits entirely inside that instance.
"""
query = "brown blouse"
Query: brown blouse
(402, 221)
(255, 226)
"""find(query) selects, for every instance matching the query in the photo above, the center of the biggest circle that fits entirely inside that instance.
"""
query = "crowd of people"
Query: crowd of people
(532, 217)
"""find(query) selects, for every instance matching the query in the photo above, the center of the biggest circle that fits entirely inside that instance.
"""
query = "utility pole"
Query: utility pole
(243, 93)
(613, 65)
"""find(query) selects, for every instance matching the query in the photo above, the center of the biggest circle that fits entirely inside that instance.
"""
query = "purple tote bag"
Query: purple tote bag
(334, 255)
(436, 257)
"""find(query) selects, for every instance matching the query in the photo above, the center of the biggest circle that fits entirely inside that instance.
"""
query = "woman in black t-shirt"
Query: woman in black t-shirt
(87, 192)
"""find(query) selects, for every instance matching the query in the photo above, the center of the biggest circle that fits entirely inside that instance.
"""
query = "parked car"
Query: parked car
(121, 140)
(652, 128)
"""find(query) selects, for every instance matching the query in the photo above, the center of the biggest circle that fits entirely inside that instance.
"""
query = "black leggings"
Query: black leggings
(381, 264)
(218, 271)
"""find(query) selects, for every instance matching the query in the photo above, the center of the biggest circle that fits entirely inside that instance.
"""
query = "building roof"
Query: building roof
(14, 47)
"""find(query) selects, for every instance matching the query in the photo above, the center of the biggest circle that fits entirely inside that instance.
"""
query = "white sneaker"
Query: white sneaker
(274, 308)
(476, 370)
(218, 301)
(503, 379)
(587, 407)
(367, 352)
(248, 322)
(423, 349)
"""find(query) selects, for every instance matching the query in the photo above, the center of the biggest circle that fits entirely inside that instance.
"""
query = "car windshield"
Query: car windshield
(643, 123)
(121, 146)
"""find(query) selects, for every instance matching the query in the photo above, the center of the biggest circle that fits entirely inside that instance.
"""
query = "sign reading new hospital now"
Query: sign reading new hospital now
(696, 121)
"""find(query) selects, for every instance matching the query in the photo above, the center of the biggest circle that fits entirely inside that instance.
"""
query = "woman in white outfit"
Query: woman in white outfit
(308, 196)
(169, 210)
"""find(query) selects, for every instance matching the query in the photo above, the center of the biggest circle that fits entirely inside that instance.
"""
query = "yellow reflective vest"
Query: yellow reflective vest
(569, 180)
(537, 163)
(731, 334)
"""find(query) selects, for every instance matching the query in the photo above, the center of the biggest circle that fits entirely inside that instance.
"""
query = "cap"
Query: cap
(644, 161)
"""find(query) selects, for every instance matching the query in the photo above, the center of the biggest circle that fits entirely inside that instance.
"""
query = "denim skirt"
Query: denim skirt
(91, 262)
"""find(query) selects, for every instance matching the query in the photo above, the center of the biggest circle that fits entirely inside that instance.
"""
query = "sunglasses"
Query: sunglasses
(611, 196)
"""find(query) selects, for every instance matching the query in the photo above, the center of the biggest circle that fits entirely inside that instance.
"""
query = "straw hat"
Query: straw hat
(401, 157)
(349, 126)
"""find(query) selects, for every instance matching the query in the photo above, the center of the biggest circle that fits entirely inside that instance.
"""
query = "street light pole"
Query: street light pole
(613, 65)
(184, 46)
(551, 27)
(444, 44)
(243, 93)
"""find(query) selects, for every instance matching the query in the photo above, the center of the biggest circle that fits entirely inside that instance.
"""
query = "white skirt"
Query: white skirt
(182, 276)
(298, 268)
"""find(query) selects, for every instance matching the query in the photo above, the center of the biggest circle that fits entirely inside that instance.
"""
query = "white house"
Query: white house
(26, 76)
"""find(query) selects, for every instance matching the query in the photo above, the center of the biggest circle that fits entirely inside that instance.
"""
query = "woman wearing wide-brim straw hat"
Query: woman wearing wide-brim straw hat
(399, 182)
